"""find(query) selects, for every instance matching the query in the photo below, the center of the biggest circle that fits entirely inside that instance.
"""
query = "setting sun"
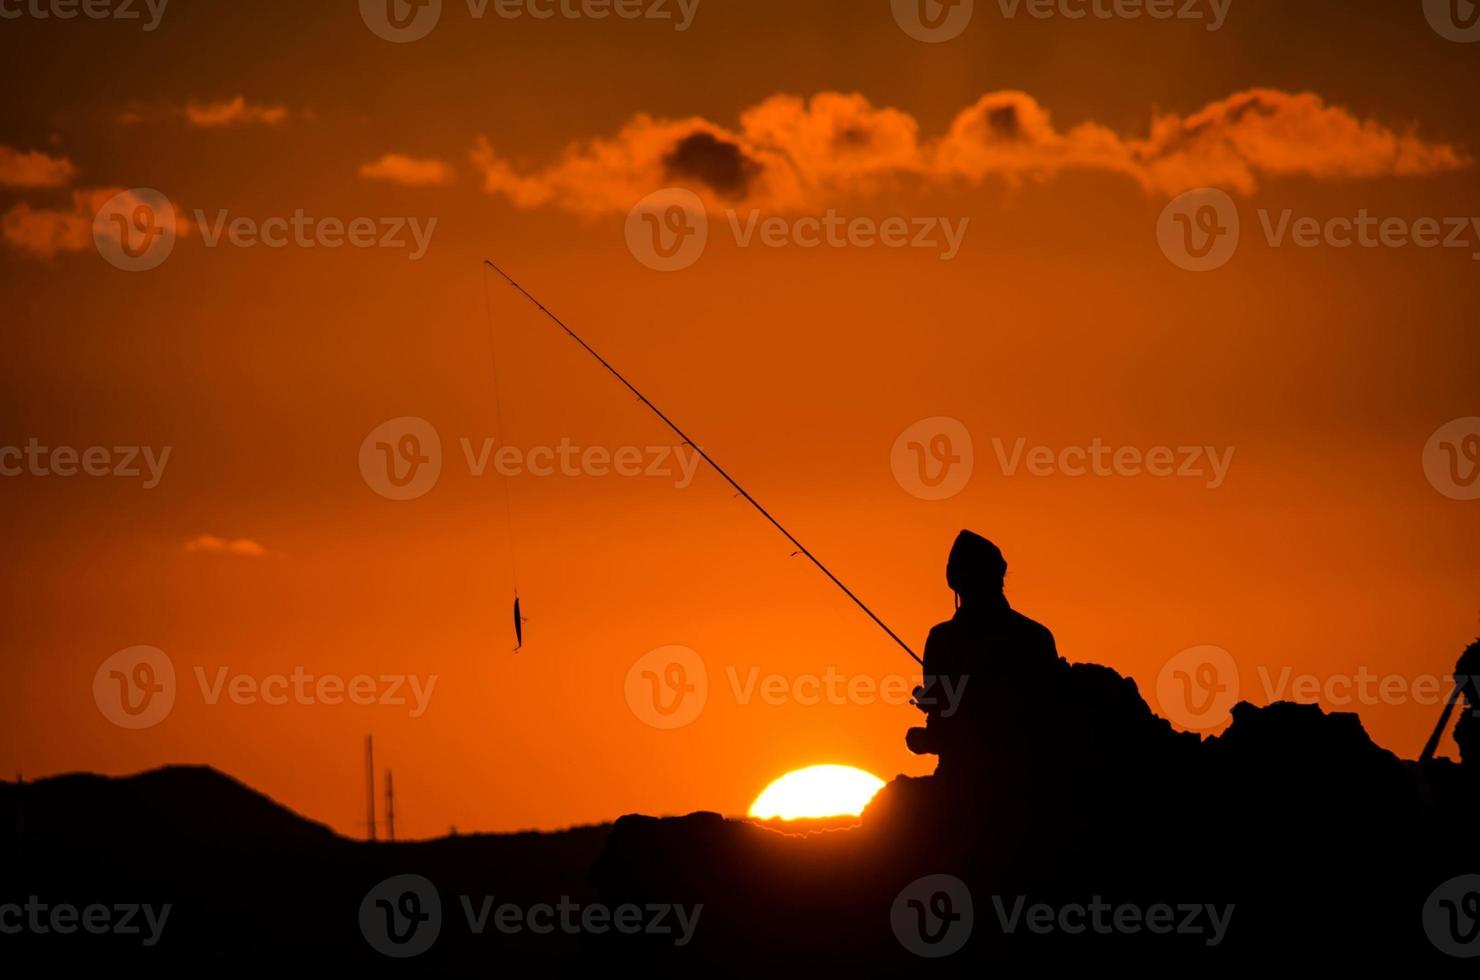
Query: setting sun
(817, 791)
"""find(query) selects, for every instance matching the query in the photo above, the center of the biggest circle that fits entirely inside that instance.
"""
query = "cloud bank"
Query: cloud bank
(234, 113)
(34, 169)
(210, 544)
(411, 171)
(791, 154)
(46, 232)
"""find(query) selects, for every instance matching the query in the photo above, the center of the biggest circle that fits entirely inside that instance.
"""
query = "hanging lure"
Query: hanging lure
(518, 626)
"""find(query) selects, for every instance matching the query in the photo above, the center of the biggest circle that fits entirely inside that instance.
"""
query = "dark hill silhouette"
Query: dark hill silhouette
(1326, 844)
(179, 805)
(250, 882)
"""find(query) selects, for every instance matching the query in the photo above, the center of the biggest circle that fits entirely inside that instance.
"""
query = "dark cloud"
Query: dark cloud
(721, 165)
(1004, 123)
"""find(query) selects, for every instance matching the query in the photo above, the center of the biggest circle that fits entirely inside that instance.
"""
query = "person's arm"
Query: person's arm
(929, 696)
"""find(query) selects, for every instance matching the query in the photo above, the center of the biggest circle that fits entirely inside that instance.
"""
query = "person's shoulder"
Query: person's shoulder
(1032, 626)
(942, 630)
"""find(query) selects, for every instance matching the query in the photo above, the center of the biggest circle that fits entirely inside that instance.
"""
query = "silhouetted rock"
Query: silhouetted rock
(1294, 833)
(1315, 843)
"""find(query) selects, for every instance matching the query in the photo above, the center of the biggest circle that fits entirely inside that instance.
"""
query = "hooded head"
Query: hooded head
(976, 568)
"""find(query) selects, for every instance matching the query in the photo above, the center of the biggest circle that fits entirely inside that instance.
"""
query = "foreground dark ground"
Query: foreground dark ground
(1290, 840)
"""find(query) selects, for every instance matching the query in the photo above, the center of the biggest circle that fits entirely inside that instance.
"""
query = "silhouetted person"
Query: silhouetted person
(1453, 788)
(1467, 730)
(989, 671)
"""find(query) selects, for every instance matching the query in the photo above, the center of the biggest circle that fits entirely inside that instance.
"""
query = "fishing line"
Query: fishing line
(801, 548)
(498, 429)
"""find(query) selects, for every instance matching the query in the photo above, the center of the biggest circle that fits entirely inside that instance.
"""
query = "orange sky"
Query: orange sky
(1325, 550)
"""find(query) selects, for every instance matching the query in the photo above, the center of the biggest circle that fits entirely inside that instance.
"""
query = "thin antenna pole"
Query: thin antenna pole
(370, 782)
(801, 548)
(390, 807)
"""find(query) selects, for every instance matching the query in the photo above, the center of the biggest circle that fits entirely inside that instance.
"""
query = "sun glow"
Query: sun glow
(817, 791)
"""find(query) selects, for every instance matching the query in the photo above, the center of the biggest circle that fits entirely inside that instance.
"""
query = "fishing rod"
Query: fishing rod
(1431, 747)
(801, 548)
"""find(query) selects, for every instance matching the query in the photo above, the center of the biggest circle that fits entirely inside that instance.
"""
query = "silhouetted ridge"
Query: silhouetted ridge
(175, 803)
